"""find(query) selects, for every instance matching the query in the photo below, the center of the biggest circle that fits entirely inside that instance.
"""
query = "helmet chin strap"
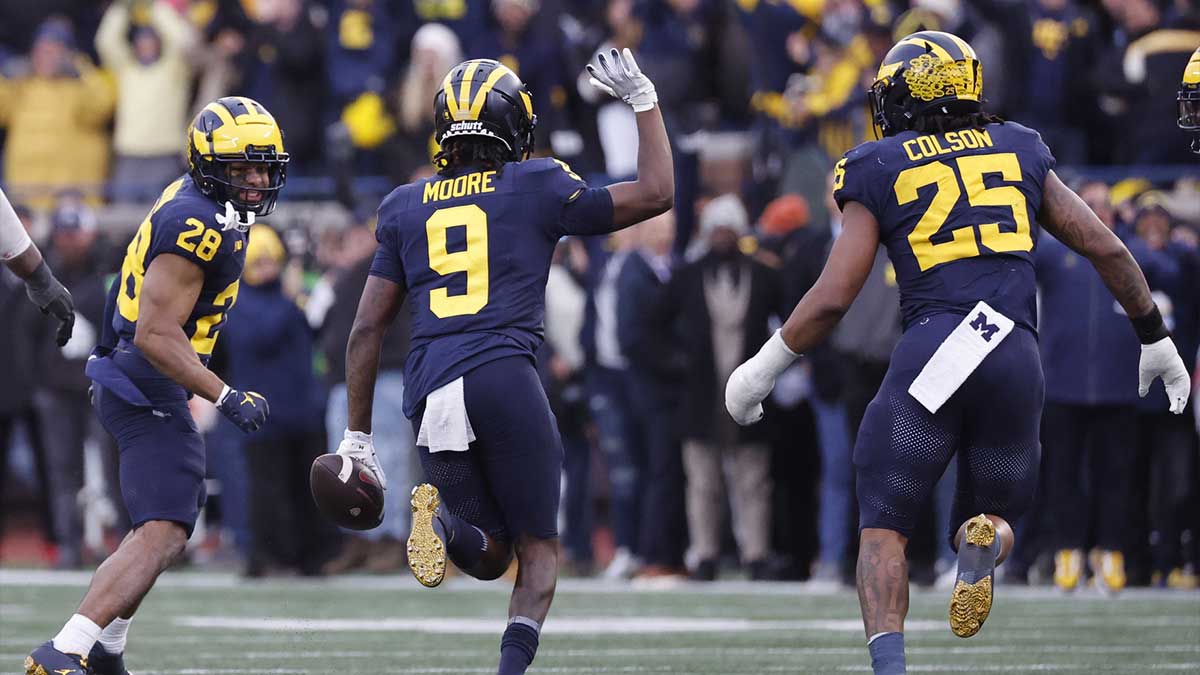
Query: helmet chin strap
(233, 219)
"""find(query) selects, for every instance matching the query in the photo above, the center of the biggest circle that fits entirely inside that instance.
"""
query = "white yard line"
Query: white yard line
(591, 625)
(375, 584)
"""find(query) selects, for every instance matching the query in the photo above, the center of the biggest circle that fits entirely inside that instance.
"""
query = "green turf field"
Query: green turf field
(209, 624)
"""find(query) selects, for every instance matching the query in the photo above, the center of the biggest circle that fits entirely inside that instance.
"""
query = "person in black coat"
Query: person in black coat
(720, 306)
(61, 391)
(654, 368)
(275, 351)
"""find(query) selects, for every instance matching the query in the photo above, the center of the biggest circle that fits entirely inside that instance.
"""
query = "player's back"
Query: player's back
(957, 212)
(473, 249)
(183, 222)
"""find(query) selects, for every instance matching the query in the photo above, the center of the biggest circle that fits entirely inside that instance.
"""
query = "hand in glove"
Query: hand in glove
(619, 77)
(358, 445)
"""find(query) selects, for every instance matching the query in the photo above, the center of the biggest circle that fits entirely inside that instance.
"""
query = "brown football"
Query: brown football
(346, 491)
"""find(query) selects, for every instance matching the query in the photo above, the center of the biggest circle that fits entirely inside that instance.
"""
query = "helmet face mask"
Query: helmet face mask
(484, 98)
(226, 135)
(1189, 101)
(926, 73)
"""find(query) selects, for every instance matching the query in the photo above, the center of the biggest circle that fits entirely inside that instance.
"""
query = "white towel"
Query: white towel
(959, 355)
(445, 426)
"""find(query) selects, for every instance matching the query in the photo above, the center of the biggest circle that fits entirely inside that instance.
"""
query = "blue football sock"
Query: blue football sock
(887, 653)
(465, 543)
(518, 646)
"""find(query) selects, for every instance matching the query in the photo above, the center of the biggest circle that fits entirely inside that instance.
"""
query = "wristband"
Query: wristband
(40, 279)
(1150, 327)
(775, 354)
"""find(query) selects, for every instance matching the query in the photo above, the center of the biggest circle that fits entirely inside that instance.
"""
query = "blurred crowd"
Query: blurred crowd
(642, 329)
(95, 96)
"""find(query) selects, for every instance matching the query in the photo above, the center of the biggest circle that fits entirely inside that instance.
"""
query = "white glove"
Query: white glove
(619, 77)
(1161, 359)
(752, 381)
(357, 445)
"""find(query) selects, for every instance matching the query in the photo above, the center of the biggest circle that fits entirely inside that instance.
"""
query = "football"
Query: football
(346, 491)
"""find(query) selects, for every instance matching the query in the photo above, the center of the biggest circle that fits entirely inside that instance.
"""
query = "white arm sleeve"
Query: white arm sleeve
(13, 237)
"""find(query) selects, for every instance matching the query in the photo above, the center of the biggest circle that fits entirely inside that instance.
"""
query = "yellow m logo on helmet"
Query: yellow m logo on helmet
(465, 107)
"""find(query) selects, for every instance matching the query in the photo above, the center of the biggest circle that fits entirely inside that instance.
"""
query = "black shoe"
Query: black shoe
(46, 660)
(762, 570)
(103, 663)
(706, 570)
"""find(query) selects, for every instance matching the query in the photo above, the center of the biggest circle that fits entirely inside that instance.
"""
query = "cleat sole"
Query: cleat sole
(32, 667)
(970, 603)
(981, 531)
(426, 551)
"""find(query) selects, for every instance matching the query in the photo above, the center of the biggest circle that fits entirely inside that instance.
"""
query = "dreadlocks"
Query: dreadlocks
(466, 151)
(940, 124)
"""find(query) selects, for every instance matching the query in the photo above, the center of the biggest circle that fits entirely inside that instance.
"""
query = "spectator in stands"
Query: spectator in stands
(529, 41)
(720, 305)
(146, 47)
(18, 360)
(282, 69)
(611, 405)
(1167, 442)
(1053, 45)
(435, 50)
(562, 363)
(655, 368)
(1157, 49)
(56, 117)
(275, 351)
(361, 42)
(61, 394)
(381, 549)
(469, 19)
(789, 244)
(1089, 421)
(224, 27)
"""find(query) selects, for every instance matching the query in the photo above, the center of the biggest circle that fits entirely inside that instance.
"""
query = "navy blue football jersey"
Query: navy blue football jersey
(957, 212)
(183, 222)
(473, 250)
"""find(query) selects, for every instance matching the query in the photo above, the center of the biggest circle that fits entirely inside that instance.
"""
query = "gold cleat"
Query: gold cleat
(426, 550)
(1068, 569)
(1109, 568)
(971, 601)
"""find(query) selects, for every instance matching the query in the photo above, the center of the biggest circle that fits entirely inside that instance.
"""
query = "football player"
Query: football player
(956, 196)
(470, 248)
(178, 281)
(22, 256)
(1189, 100)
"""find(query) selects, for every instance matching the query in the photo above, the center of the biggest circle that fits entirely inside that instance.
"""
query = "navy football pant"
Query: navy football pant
(507, 482)
(991, 423)
(162, 459)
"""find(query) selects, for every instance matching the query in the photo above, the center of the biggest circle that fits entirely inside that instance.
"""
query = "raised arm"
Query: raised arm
(654, 190)
(814, 317)
(111, 41)
(1069, 219)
